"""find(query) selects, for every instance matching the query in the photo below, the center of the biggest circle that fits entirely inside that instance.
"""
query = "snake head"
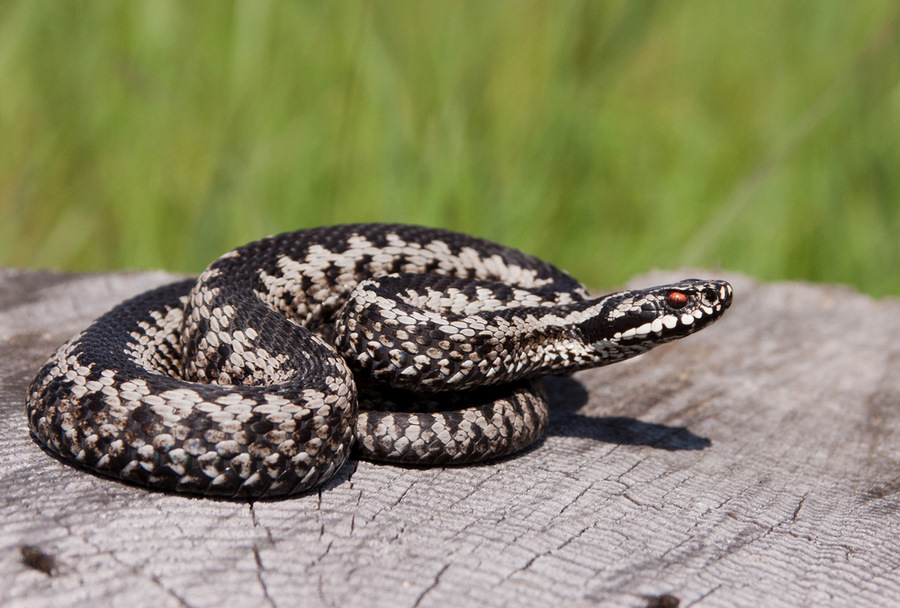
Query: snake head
(632, 322)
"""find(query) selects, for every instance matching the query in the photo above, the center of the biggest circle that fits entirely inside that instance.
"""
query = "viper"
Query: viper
(417, 345)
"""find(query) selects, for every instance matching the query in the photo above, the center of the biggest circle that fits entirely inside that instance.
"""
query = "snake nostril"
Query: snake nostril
(709, 297)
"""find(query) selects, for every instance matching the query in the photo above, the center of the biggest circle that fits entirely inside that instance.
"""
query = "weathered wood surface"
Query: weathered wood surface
(754, 464)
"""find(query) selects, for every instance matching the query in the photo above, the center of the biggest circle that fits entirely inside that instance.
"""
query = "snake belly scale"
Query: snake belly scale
(416, 345)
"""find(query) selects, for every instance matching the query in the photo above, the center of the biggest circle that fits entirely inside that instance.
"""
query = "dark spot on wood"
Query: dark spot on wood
(38, 560)
(663, 601)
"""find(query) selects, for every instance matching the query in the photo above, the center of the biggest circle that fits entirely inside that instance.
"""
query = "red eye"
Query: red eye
(676, 300)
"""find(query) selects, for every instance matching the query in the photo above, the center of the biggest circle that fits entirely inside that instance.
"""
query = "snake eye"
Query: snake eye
(676, 300)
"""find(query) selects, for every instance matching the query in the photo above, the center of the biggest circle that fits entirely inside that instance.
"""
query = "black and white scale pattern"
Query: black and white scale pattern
(416, 345)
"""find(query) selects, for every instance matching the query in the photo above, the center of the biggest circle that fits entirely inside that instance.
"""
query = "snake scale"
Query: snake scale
(416, 345)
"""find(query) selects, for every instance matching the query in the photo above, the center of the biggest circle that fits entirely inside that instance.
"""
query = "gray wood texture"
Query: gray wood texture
(754, 464)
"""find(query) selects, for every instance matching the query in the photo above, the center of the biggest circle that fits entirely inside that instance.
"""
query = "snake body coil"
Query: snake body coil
(423, 346)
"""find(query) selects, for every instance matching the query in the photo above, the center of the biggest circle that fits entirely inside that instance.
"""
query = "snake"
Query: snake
(397, 343)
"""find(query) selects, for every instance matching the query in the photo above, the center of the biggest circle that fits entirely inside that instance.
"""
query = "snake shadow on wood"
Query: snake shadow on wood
(568, 395)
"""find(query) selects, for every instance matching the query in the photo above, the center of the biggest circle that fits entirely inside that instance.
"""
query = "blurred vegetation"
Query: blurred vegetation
(607, 137)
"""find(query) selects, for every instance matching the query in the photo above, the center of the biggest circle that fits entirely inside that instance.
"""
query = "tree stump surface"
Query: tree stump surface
(753, 464)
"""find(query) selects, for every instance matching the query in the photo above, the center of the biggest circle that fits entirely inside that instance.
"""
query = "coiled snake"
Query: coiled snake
(246, 381)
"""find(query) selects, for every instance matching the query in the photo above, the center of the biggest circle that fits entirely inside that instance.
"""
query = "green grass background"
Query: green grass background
(607, 137)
